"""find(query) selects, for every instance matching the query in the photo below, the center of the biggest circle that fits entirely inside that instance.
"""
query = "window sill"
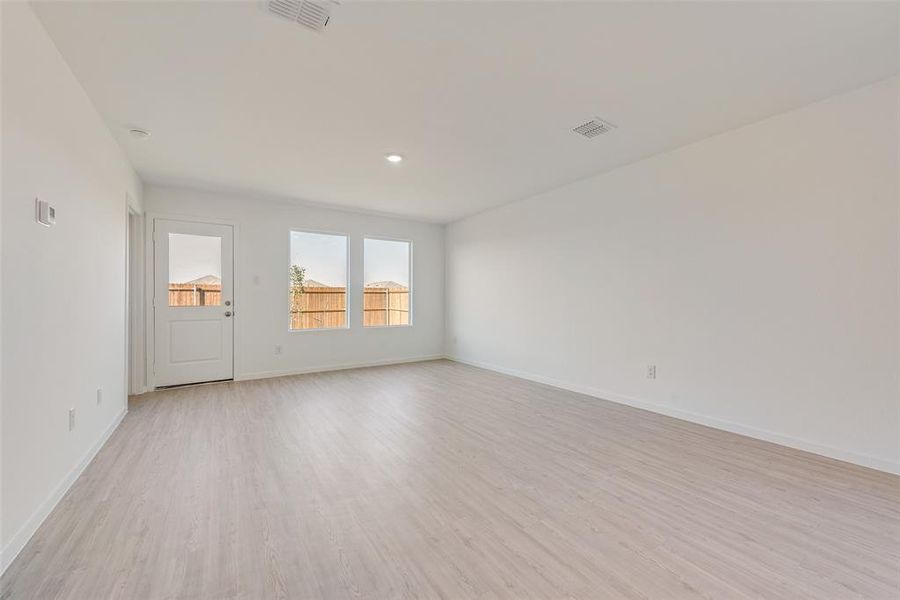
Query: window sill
(319, 329)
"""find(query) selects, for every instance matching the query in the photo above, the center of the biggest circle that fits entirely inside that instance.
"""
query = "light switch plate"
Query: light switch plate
(44, 213)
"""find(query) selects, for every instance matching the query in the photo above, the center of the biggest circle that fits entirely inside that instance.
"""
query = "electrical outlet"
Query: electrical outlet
(651, 371)
(71, 419)
(277, 349)
(99, 396)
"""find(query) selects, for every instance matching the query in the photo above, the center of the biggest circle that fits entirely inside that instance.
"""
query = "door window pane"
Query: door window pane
(195, 270)
(318, 280)
(386, 297)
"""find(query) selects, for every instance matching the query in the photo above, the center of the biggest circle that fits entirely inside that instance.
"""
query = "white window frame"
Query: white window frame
(347, 311)
(411, 284)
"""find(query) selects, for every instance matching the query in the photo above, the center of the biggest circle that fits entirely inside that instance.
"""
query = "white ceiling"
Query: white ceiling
(480, 97)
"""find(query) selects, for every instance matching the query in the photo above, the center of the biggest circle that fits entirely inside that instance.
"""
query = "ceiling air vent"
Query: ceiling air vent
(594, 127)
(312, 14)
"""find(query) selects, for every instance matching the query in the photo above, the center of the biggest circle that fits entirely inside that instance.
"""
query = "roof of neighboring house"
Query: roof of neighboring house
(208, 279)
(385, 284)
(308, 283)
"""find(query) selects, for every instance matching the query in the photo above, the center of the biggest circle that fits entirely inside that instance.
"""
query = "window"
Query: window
(318, 280)
(195, 270)
(386, 297)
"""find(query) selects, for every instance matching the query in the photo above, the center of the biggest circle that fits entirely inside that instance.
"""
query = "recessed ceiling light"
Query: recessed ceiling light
(140, 134)
(394, 158)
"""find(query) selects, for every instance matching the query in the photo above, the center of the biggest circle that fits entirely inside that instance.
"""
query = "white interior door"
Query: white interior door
(193, 310)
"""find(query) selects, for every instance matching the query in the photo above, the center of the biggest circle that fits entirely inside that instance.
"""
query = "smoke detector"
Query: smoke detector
(312, 14)
(594, 127)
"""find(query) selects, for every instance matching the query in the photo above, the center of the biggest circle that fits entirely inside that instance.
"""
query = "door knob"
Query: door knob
(227, 313)
(228, 303)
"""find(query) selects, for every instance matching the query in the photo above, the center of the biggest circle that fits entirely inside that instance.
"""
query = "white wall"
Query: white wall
(757, 269)
(64, 287)
(261, 249)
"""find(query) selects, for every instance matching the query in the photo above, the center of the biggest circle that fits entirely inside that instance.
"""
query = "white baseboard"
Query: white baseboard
(340, 367)
(863, 460)
(18, 541)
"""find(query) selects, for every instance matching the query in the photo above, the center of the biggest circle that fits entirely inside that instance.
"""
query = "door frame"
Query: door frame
(150, 219)
(135, 332)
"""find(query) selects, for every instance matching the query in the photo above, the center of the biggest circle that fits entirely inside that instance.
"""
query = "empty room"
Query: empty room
(315, 299)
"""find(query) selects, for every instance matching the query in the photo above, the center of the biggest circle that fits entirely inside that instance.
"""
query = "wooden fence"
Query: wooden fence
(385, 306)
(195, 294)
(317, 307)
(326, 307)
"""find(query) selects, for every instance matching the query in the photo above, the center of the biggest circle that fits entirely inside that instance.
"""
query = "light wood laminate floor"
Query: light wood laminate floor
(439, 480)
